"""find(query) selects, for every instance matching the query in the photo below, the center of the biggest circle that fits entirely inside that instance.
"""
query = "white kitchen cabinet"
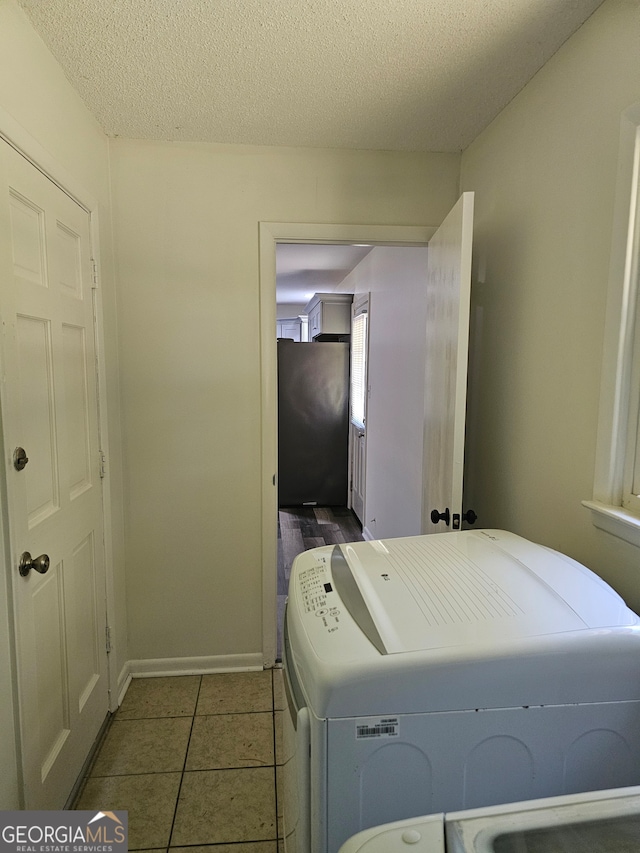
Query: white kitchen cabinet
(329, 314)
(289, 329)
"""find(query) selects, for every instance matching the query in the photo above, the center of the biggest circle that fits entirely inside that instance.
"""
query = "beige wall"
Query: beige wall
(189, 317)
(544, 174)
(35, 93)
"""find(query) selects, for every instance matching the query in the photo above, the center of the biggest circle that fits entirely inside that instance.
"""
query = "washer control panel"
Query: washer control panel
(317, 594)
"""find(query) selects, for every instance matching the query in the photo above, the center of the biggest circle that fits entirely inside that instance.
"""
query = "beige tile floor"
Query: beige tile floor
(193, 759)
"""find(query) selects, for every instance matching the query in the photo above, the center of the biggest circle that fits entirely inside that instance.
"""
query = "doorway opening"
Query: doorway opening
(272, 235)
(314, 297)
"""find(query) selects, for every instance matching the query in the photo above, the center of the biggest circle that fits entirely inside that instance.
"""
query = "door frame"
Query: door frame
(21, 140)
(270, 234)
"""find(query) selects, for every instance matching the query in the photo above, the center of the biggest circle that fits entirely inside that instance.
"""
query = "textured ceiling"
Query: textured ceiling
(420, 75)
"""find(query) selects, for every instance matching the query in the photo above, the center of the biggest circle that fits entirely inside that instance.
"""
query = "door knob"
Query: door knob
(441, 516)
(27, 562)
(469, 516)
(20, 458)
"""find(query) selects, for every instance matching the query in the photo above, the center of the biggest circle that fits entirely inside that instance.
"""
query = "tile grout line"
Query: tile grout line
(150, 716)
(275, 754)
(184, 765)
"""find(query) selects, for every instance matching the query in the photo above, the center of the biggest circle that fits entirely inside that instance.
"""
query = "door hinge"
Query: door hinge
(103, 464)
(107, 632)
(94, 273)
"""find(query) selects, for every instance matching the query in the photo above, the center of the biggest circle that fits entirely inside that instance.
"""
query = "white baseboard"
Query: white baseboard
(124, 680)
(367, 534)
(194, 666)
(156, 667)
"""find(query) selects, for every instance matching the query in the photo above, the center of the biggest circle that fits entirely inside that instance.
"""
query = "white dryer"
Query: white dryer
(600, 822)
(445, 672)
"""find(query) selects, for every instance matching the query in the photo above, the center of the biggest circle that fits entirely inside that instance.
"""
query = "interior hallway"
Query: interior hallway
(195, 761)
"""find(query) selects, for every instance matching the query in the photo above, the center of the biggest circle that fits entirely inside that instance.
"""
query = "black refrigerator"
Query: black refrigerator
(313, 423)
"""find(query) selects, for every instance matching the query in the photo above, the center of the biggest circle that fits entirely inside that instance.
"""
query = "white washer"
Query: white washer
(600, 822)
(446, 672)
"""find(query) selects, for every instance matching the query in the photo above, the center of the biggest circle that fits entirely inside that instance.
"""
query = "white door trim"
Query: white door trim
(270, 234)
(20, 139)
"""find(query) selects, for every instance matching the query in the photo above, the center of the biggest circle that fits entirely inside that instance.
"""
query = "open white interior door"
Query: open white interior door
(448, 294)
(50, 427)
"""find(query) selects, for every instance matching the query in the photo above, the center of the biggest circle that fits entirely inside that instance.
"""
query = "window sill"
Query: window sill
(615, 520)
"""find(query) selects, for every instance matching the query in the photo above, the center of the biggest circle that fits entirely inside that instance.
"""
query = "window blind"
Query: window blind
(359, 368)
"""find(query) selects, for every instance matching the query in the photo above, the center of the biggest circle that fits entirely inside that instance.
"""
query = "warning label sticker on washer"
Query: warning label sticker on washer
(377, 727)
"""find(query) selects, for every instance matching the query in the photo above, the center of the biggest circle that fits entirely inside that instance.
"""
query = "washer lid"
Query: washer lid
(415, 835)
(429, 592)
(595, 822)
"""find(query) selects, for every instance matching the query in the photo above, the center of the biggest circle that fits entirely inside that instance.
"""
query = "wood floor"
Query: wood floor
(305, 527)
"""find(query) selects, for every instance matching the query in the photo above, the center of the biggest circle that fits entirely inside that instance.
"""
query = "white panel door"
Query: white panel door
(358, 442)
(49, 408)
(448, 295)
